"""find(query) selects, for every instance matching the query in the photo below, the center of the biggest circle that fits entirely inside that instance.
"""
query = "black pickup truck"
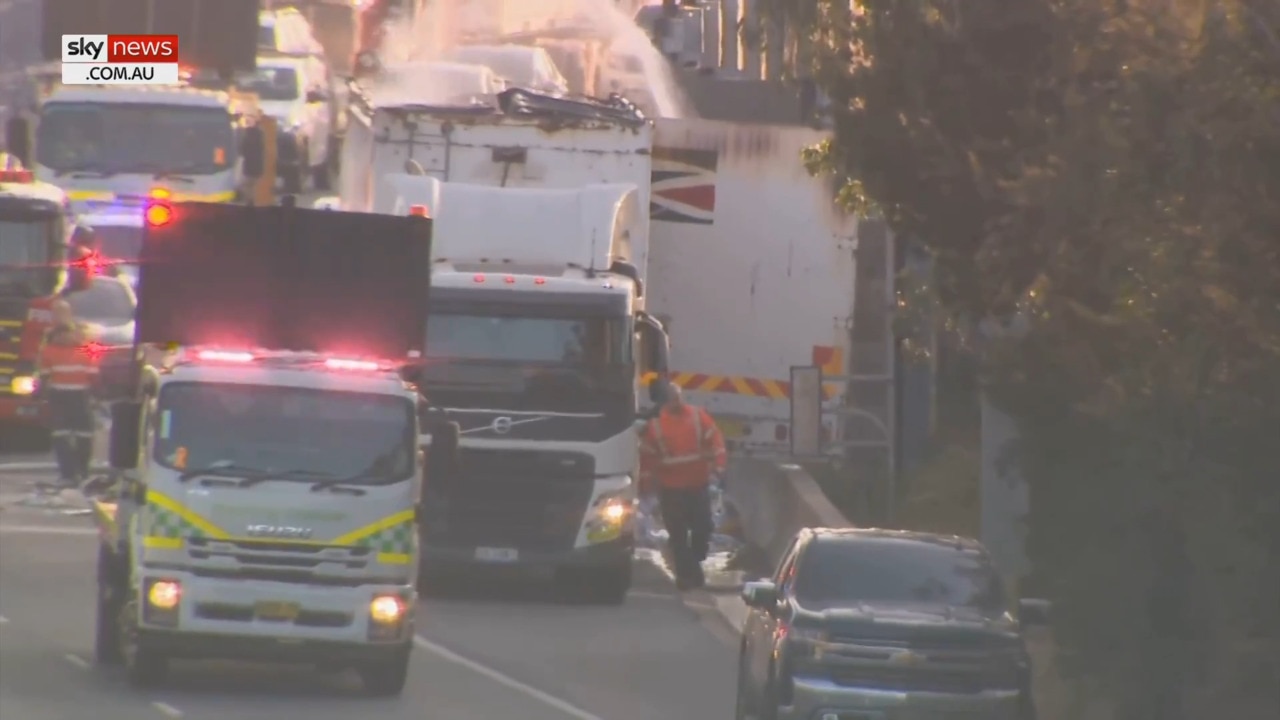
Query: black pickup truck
(865, 624)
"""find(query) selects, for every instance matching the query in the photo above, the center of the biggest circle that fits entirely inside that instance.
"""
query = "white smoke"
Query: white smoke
(450, 22)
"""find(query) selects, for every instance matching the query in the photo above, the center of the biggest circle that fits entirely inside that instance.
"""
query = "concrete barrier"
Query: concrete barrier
(775, 501)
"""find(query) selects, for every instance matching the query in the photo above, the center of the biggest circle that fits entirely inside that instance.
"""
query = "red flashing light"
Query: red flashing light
(159, 215)
(418, 211)
(478, 278)
(510, 280)
(94, 349)
(17, 176)
(342, 364)
(539, 281)
(91, 262)
(225, 356)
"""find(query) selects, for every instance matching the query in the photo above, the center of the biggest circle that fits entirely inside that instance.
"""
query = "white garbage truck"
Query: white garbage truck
(539, 345)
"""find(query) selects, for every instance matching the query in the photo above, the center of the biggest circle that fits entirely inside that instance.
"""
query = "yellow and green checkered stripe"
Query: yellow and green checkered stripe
(394, 545)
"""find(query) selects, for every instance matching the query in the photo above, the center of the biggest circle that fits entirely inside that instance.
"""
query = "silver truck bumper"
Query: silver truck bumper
(219, 617)
(816, 699)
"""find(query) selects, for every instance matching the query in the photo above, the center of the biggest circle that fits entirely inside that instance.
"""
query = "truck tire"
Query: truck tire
(144, 667)
(605, 586)
(386, 677)
(293, 164)
(106, 641)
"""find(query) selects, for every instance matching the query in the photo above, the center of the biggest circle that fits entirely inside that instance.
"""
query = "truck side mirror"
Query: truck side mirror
(655, 346)
(126, 435)
(252, 152)
(17, 138)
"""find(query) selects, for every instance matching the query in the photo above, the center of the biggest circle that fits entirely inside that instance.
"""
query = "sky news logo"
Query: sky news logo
(119, 59)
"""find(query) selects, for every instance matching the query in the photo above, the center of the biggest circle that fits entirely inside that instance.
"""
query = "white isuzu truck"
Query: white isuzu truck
(539, 344)
(269, 480)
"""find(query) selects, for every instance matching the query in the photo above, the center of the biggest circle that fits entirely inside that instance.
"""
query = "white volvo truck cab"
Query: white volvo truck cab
(538, 346)
(269, 479)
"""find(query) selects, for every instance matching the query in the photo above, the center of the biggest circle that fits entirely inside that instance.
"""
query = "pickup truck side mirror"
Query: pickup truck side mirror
(762, 594)
(125, 443)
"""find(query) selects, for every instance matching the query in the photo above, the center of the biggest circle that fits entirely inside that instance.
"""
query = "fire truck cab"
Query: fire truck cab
(40, 258)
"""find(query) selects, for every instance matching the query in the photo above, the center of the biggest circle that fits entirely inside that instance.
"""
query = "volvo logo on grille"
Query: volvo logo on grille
(501, 425)
(907, 658)
(279, 531)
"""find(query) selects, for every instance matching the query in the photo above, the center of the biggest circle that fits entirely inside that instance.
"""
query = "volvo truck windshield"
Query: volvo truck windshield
(558, 363)
(292, 433)
(111, 138)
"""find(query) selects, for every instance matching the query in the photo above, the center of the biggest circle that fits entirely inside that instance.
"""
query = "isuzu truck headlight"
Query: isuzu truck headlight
(161, 601)
(23, 385)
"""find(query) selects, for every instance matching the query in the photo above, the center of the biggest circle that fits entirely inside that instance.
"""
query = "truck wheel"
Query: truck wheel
(386, 677)
(144, 667)
(607, 586)
(106, 642)
(320, 174)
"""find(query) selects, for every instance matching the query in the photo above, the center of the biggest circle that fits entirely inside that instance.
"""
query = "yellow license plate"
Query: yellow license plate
(732, 428)
(271, 610)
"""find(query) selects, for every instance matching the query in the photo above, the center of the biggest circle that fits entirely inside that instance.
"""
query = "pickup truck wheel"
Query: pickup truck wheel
(106, 642)
(386, 677)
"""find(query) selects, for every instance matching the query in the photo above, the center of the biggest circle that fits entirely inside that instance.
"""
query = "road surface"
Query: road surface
(502, 650)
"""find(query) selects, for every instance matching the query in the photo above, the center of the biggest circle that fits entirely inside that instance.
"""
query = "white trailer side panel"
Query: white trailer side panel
(751, 266)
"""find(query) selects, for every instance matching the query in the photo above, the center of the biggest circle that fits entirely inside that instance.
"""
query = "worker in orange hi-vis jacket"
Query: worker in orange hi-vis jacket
(69, 371)
(681, 451)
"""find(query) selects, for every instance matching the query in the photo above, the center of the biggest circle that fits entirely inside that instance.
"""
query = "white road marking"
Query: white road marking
(166, 709)
(37, 466)
(652, 595)
(28, 466)
(76, 660)
(45, 530)
(529, 691)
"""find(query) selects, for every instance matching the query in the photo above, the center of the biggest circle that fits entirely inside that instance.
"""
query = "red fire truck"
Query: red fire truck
(38, 262)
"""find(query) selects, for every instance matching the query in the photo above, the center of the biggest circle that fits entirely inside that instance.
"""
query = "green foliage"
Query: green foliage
(1108, 172)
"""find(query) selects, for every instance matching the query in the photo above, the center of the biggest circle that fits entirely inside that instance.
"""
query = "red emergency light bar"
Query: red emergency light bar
(17, 176)
(244, 356)
(418, 211)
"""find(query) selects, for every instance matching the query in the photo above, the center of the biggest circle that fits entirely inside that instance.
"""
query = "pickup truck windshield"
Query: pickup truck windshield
(840, 572)
(274, 429)
(122, 138)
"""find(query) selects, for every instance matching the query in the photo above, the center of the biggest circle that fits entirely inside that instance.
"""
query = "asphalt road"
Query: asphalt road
(499, 649)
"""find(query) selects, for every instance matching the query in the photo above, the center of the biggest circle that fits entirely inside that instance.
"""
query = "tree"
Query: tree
(1110, 171)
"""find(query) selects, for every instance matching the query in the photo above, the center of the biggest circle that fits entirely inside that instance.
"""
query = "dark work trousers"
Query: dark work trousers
(71, 417)
(686, 513)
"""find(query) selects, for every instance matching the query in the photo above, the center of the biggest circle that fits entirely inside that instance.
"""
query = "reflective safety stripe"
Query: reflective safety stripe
(74, 368)
(704, 437)
(72, 433)
(67, 386)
